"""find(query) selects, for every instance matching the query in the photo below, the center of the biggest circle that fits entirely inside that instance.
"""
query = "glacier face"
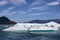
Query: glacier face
(33, 26)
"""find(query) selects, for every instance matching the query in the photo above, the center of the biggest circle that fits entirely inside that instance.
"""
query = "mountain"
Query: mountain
(5, 20)
(45, 21)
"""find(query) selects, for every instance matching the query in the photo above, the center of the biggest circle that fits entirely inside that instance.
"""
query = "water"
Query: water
(26, 36)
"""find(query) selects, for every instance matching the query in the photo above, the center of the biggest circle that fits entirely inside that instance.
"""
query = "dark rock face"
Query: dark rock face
(45, 21)
(5, 20)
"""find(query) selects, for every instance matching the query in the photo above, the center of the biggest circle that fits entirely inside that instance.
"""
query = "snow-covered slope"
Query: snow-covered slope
(33, 26)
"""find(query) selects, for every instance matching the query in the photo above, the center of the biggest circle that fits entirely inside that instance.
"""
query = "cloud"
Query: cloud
(22, 12)
(40, 8)
(41, 2)
(34, 14)
(37, 14)
(2, 3)
(38, 5)
(53, 3)
(18, 2)
(11, 8)
(37, 2)
(8, 11)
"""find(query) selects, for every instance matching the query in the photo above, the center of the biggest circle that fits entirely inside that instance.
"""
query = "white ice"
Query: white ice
(34, 26)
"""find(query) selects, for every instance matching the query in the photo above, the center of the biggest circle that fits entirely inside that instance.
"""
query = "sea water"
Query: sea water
(26, 36)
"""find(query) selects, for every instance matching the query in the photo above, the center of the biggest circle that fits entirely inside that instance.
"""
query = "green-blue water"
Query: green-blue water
(26, 36)
(41, 31)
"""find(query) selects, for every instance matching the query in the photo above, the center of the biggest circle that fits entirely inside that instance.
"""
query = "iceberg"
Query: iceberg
(50, 27)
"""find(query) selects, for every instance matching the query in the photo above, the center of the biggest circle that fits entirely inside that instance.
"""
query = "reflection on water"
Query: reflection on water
(22, 36)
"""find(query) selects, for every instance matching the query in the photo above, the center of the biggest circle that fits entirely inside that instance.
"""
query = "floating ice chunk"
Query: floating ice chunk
(33, 26)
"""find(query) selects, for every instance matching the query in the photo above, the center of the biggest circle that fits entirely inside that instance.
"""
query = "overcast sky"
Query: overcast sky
(26, 10)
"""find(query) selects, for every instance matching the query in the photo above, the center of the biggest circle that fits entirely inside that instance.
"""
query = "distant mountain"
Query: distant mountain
(5, 20)
(45, 21)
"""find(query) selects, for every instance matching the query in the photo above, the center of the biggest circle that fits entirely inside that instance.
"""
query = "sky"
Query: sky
(26, 10)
